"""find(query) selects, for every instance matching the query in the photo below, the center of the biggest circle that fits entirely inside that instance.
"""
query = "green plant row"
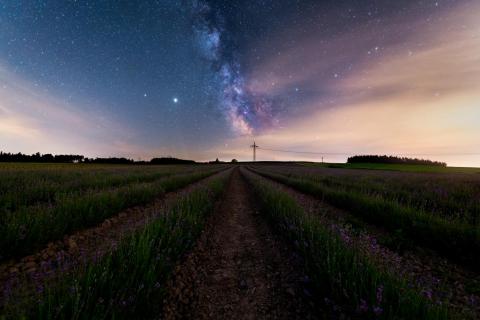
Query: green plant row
(338, 271)
(20, 189)
(28, 229)
(459, 242)
(452, 197)
(128, 283)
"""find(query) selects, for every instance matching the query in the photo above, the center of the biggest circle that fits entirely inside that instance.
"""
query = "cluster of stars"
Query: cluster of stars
(170, 67)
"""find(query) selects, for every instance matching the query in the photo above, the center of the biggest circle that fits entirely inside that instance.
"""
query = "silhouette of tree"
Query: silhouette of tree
(170, 160)
(393, 160)
(37, 157)
(74, 158)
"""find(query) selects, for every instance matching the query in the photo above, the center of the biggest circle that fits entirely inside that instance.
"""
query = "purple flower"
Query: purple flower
(39, 289)
(379, 294)
(363, 307)
(428, 293)
(377, 310)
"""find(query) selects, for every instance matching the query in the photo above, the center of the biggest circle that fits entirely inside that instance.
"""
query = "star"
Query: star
(175, 100)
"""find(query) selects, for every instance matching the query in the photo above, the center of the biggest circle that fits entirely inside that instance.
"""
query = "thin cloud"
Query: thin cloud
(32, 120)
(419, 96)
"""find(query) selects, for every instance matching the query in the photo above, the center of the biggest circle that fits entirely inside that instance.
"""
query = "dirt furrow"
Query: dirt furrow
(59, 257)
(438, 278)
(239, 269)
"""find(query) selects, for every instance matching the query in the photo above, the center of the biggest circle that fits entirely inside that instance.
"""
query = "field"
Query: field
(239, 241)
(395, 167)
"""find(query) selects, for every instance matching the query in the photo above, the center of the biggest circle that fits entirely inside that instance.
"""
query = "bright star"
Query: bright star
(175, 100)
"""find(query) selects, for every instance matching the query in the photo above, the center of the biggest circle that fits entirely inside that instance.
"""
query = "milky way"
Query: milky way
(202, 78)
(246, 113)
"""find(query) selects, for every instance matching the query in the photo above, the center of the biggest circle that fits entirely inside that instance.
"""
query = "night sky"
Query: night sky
(202, 79)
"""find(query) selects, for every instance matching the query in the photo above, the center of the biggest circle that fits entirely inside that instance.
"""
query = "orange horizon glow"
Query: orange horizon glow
(425, 100)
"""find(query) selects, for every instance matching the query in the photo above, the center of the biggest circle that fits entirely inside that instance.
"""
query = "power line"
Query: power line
(310, 152)
(346, 154)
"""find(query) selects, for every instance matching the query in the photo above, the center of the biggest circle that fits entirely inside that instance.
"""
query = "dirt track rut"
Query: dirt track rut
(239, 269)
(60, 257)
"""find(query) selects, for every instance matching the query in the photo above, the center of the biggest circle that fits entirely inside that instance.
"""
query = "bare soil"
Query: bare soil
(59, 257)
(438, 278)
(238, 269)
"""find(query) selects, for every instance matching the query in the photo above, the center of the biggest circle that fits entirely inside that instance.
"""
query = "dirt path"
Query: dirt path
(438, 278)
(238, 269)
(60, 257)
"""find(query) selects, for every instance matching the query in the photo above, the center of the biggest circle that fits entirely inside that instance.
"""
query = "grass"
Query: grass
(30, 228)
(396, 167)
(451, 196)
(130, 281)
(39, 184)
(338, 270)
(458, 241)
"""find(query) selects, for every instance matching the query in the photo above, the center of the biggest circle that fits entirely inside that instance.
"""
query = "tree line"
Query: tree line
(393, 160)
(75, 158)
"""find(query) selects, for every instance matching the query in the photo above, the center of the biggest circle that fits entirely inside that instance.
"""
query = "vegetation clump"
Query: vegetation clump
(393, 160)
(75, 158)
(452, 238)
(339, 271)
(130, 281)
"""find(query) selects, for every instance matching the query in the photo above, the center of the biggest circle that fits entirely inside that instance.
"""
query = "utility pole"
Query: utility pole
(254, 146)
